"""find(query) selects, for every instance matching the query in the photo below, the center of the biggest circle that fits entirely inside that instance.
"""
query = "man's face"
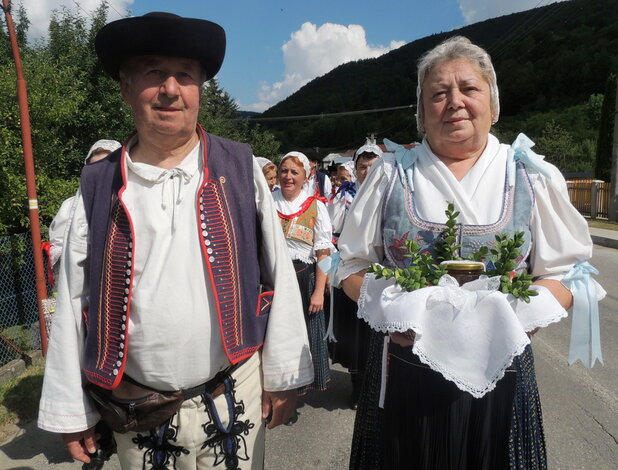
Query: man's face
(363, 164)
(164, 95)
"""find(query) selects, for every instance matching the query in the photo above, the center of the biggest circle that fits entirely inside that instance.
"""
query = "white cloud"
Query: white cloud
(39, 12)
(474, 11)
(312, 52)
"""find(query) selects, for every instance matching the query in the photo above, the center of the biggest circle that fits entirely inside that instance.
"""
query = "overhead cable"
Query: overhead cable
(323, 115)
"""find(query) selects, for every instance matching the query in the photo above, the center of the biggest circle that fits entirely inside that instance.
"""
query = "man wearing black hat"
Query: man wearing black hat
(319, 182)
(166, 306)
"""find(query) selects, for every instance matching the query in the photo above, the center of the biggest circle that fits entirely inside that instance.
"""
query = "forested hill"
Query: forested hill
(546, 59)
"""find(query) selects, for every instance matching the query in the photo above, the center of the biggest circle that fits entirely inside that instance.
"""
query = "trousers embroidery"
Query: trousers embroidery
(227, 442)
(160, 454)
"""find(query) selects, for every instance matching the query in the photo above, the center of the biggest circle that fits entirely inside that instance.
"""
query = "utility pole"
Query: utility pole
(33, 202)
(613, 185)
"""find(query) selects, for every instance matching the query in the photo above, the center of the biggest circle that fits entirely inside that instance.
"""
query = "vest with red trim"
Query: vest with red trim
(228, 231)
(300, 226)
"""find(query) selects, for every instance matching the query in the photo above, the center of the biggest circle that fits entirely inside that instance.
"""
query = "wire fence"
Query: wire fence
(19, 318)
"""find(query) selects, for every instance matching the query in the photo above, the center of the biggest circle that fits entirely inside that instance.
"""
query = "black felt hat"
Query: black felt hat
(160, 33)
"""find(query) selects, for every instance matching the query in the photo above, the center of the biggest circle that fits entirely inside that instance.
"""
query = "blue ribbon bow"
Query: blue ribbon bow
(521, 149)
(347, 187)
(405, 159)
(585, 335)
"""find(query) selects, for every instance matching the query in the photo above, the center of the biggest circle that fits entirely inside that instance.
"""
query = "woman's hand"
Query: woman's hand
(403, 339)
(316, 302)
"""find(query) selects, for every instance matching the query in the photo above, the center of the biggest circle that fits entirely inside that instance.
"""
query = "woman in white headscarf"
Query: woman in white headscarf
(342, 200)
(308, 233)
(350, 333)
(457, 379)
(269, 169)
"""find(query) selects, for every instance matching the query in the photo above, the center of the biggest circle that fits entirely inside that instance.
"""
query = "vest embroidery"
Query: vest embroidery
(515, 214)
(300, 227)
(220, 253)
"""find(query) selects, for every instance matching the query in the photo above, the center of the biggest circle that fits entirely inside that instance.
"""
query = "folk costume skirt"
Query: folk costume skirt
(316, 328)
(428, 423)
(352, 334)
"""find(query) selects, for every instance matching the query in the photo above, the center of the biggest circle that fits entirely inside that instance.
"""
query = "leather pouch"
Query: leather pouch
(133, 407)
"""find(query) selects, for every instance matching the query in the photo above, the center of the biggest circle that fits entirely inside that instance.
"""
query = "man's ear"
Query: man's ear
(124, 89)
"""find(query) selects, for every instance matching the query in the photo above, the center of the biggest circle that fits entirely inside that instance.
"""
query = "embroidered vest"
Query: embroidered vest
(299, 226)
(402, 222)
(228, 234)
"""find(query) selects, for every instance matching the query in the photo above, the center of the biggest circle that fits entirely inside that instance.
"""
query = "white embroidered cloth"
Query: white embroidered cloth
(469, 334)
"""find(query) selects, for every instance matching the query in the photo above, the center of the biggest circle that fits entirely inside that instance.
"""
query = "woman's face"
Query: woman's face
(343, 174)
(457, 105)
(292, 176)
(271, 177)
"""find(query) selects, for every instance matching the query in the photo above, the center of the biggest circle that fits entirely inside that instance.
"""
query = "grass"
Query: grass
(19, 397)
(602, 224)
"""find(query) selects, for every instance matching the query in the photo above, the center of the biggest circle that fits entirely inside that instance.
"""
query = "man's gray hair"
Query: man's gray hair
(457, 47)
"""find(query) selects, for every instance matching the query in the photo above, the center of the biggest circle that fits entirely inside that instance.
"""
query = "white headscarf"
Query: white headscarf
(110, 145)
(302, 158)
(263, 162)
(351, 167)
(368, 148)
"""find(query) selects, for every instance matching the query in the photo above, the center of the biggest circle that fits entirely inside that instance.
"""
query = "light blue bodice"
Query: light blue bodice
(401, 221)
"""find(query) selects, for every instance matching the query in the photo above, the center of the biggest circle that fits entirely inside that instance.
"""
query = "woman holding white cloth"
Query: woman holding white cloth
(436, 414)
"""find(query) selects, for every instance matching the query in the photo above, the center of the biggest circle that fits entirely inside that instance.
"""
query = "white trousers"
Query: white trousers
(224, 433)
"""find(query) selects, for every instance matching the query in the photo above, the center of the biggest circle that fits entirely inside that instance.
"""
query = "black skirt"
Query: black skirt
(428, 423)
(316, 329)
(352, 334)
(366, 453)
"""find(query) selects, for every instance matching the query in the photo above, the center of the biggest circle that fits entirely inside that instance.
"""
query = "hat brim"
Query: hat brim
(164, 34)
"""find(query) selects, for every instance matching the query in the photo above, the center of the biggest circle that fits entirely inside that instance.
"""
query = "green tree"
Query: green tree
(603, 168)
(593, 109)
(72, 104)
(219, 115)
(557, 145)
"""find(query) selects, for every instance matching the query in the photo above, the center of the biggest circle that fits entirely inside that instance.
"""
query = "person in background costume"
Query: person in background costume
(193, 340)
(270, 171)
(307, 231)
(351, 334)
(318, 182)
(99, 150)
(460, 390)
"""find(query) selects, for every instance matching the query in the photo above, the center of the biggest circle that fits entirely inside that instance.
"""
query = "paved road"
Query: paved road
(580, 408)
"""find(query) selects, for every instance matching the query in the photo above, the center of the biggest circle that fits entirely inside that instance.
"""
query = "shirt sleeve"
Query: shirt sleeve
(58, 227)
(328, 186)
(360, 243)
(336, 211)
(323, 231)
(286, 359)
(64, 406)
(560, 233)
